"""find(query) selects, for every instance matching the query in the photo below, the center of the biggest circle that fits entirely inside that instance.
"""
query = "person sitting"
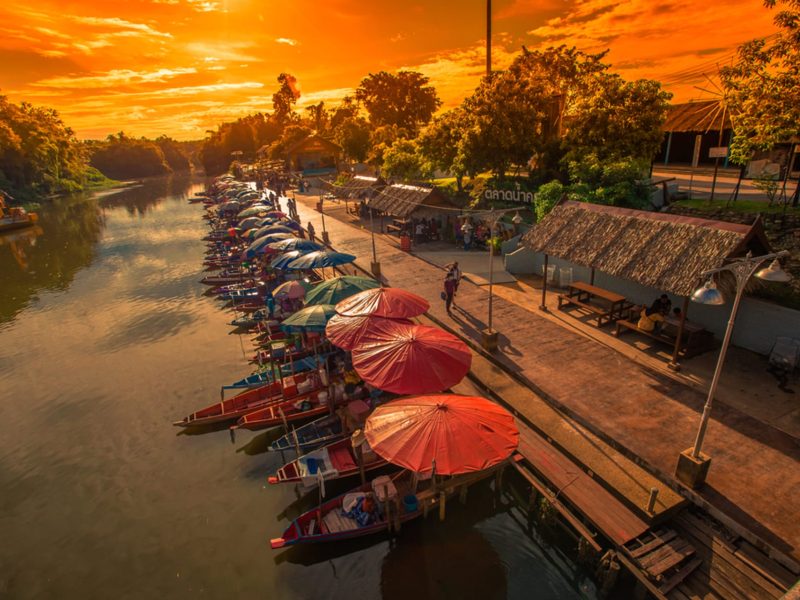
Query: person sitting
(664, 304)
(651, 318)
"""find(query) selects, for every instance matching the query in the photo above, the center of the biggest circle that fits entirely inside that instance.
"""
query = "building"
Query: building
(411, 201)
(313, 155)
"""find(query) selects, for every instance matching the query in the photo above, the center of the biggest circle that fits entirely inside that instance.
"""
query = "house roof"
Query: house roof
(658, 250)
(359, 184)
(697, 116)
(313, 140)
(401, 199)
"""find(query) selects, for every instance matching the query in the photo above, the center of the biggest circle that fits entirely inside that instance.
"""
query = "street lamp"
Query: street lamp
(325, 238)
(693, 465)
(489, 335)
(375, 267)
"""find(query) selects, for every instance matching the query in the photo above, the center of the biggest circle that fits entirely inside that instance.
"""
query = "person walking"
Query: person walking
(310, 229)
(454, 270)
(449, 291)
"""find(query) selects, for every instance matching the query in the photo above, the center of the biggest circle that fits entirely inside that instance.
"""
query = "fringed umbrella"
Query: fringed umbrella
(410, 359)
(453, 434)
(320, 260)
(291, 290)
(345, 332)
(393, 303)
(296, 244)
(310, 318)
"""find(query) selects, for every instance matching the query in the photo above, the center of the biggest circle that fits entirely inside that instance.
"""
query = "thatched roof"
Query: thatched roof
(698, 117)
(401, 199)
(659, 250)
(313, 142)
(359, 185)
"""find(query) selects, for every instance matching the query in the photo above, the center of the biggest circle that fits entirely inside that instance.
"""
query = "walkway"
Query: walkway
(754, 478)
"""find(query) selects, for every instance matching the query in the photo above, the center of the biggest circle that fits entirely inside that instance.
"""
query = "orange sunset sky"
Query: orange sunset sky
(181, 67)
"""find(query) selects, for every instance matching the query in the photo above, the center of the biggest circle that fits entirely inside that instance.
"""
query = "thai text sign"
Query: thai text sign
(718, 152)
(508, 195)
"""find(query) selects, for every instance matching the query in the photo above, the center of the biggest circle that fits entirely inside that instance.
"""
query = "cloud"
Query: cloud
(287, 41)
(204, 5)
(113, 78)
(230, 51)
(117, 23)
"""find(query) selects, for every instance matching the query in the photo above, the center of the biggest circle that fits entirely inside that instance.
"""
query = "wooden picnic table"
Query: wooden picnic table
(695, 338)
(581, 293)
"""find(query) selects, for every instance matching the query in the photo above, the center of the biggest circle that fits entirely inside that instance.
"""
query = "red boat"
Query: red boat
(307, 406)
(265, 356)
(226, 278)
(249, 401)
(333, 461)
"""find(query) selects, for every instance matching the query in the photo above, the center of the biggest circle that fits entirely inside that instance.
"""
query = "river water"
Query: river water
(105, 339)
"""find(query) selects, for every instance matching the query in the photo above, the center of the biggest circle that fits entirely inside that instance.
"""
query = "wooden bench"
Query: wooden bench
(394, 228)
(580, 294)
(696, 339)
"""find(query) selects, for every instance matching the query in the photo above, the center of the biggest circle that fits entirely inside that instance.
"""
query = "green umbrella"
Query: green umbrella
(337, 289)
(310, 318)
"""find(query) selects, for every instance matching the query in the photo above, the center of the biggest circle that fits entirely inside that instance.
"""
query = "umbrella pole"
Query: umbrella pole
(361, 471)
(296, 441)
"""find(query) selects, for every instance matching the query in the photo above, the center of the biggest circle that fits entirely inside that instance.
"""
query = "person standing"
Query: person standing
(454, 271)
(310, 229)
(449, 291)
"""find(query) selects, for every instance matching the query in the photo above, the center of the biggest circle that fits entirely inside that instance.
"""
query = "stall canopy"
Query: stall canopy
(659, 250)
(360, 186)
(402, 200)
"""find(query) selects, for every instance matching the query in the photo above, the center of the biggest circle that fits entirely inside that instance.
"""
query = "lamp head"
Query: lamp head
(516, 219)
(774, 272)
(708, 294)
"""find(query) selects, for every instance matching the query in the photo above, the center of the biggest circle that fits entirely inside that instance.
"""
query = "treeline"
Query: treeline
(38, 152)
(555, 115)
(122, 157)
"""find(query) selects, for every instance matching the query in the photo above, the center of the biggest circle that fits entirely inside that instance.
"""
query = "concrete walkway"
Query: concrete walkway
(755, 473)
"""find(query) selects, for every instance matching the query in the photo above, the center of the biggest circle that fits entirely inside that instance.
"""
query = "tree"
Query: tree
(440, 143)
(763, 88)
(353, 135)
(404, 100)
(285, 98)
(348, 109)
(291, 135)
(318, 117)
(405, 161)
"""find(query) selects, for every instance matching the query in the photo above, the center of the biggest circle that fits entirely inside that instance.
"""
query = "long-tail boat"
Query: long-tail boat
(311, 435)
(235, 407)
(300, 408)
(333, 461)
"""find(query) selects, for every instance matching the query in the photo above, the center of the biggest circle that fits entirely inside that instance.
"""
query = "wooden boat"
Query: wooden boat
(249, 401)
(252, 320)
(332, 461)
(301, 408)
(320, 431)
(226, 278)
(266, 374)
(329, 522)
(16, 218)
(280, 353)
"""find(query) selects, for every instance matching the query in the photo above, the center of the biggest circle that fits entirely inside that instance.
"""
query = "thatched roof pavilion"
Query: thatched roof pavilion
(401, 200)
(659, 250)
(360, 186)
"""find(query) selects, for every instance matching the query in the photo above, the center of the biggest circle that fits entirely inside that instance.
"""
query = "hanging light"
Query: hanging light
(516, 219)
(774, 272)
(708, 294)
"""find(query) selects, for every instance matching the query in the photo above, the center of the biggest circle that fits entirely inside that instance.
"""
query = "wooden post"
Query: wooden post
(442, 500)
(544, 286)
(296, 440)
(386, 512)
(591, 277)
(360, 457)
(285, 422)
(673, 363)
(462, 495)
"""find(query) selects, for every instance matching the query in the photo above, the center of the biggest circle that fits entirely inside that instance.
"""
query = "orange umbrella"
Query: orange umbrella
(410, 359)
(393, 303)
(345, 332)
(459, 434)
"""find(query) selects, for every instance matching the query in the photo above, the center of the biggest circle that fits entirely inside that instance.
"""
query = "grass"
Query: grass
(740, 206)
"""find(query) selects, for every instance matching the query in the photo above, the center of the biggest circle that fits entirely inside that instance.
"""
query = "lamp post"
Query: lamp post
(489, 335)
(375, 267)
(325, 238)
(693, 465)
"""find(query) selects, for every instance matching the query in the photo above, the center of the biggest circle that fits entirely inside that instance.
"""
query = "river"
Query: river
(105, 339)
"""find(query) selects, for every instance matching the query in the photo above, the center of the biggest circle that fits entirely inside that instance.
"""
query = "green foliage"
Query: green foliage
(38, 152)
(291, 136)
(612, 182)
(352, 133)
(767, 184)
(440, 143)
(122, 157)
(403, 160)
(404, 100)
(547, 197)
(247, 135)
(762, 89)
(317, 117)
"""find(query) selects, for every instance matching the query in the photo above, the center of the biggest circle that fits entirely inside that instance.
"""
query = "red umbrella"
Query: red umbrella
(345, 332)
(462, 434)
(393, 303)
(410, 359)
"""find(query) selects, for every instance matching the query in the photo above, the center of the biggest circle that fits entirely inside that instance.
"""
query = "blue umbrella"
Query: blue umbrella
(259, 246)
(296, 244)
(323, 258)
(268, 230)
(285, 259)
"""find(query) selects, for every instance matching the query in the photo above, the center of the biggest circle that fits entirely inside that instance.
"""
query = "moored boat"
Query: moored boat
(301, 408)
(333, 461)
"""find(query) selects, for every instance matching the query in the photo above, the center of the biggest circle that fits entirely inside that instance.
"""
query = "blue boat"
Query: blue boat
(311, 435)
(266, 375)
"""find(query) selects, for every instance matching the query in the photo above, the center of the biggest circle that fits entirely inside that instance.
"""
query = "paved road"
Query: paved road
(754, 478)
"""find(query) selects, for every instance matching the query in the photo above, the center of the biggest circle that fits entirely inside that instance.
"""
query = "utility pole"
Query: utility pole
(488, 38)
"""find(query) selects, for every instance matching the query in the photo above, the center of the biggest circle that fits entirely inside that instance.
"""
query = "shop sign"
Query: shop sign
(508, 195)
